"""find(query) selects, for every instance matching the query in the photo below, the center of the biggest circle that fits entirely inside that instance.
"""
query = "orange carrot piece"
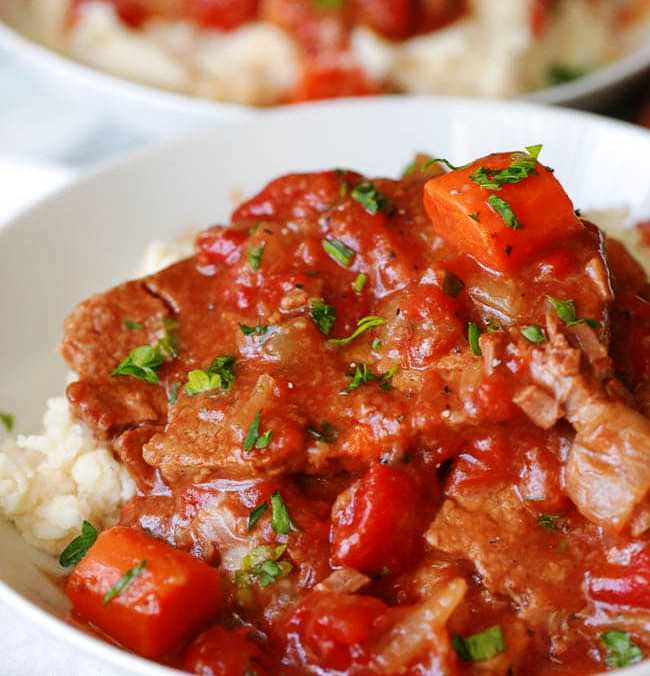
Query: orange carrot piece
(461, 213)
(170, 594)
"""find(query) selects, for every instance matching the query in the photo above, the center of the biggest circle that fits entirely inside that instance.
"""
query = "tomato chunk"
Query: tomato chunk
(173, 596)
(460, 213)
(376, 523)
(221, 14)
(222, 652)
(333, 630)
(624, 584)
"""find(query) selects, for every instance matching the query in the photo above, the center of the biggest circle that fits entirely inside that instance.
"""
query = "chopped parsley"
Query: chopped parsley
(142, 363)
(505, 211)
(172, 395)
(475, 216)
(370, 198)
(258, 330)
(566, 311)
(8, 421)
(124, 582)
(493, 326)
(480, 647)
(280, 519)
(338, 251)
(548, 521)
(620, 649)
(329, 4)
(78, 548)
(257, 514)
(360, 282)
(521, 167)
(253, 436)
(445, 162)
(452, 285)
(363, 375)
(559, 74)
(473, 334)
(327, 432)
(130, 325)
(168, 343)
(220, 374)
(254, 256)
(323, 316)
(365, 323)
(533, 333)
(264, 565)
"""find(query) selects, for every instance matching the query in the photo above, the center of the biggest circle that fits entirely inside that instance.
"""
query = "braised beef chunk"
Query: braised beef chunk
(105, 328)
(112, 405)
(406, 420)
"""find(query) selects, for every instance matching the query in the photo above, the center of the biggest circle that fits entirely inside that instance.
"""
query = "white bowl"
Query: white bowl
(158, 111)
(92, 234)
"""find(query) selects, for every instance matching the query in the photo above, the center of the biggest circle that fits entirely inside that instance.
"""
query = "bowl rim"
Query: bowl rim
(40, 56)
(58, 627)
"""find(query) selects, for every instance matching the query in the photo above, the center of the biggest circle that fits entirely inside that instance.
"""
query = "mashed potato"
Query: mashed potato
(492, 52)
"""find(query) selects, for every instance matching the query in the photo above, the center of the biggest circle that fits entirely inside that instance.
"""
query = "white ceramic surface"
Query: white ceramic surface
(91, 235)
(152, 109)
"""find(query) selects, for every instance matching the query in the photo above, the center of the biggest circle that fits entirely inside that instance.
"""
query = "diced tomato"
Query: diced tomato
(174, 595)
(539, 11)
(460, 213)
(488, 459)
(332, 630)
(295, 196)
(328, 82)
(494, 398)
(433, 324)
(625, 584)
(221, 14)
(222, 652)
(220, 245)
(436, 14)
(391, 18)
(377, 522)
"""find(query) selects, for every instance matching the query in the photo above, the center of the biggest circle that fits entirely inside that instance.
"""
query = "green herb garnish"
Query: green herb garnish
(370, 198)
(78, 548)
(172, 396)
(533, 333)
(561, 74)
(220, 374)
(132, 326)
(168, 344)
(480, 647)
(521, 167)
(254, 256)
(566, 311)
(253, 436)
(258, 330)
(327, 432)
(505, 211)
(338, 251)
(257, 514)
(620, 649)
(323, 316)
(548, 521)
(360, 282)
(263, 564)
(8, 421)
(452, 285)
(280, 519)
(142, 363)
(124, 582)
(365, 323)
(473, 334)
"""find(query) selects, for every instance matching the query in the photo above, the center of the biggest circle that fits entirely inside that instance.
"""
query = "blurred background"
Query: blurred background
(84, 81)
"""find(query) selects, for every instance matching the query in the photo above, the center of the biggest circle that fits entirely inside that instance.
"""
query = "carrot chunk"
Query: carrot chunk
(502, 228)
(142, 592)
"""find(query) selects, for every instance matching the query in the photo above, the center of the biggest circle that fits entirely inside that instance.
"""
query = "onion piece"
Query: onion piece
(344, 581)
(412, 635)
